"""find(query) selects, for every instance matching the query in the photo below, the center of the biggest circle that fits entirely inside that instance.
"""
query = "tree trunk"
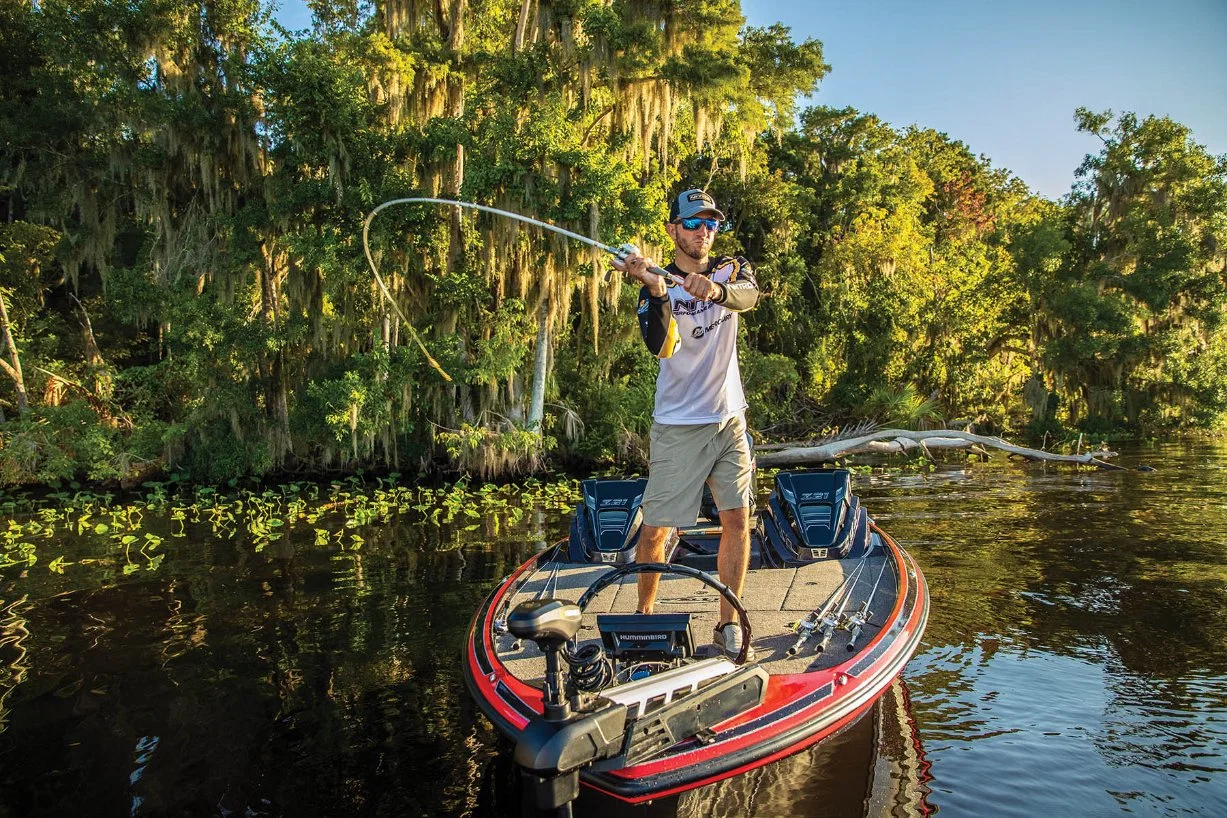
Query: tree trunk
(536, 404)
(517, 44)
(276, 397)
(13, 365)
(93, 355)
(902, 440)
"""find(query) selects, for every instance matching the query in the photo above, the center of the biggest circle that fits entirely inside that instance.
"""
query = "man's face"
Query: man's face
(694, 243)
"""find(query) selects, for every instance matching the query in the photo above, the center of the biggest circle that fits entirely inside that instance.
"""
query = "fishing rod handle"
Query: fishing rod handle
(804, 632)
(828, 631)
(621, 252)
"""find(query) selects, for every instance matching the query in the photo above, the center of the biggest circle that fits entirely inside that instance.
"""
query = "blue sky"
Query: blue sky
(1005, 77)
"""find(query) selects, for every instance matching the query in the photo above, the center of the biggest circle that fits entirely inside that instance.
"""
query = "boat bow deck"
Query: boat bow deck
(774, 598)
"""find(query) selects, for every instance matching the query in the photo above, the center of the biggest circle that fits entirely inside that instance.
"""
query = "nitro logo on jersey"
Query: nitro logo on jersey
(692, 307)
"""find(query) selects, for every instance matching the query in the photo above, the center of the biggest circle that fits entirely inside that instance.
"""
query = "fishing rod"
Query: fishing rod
(621, 252)
(834, 620)
(819, 616)
(861, 617)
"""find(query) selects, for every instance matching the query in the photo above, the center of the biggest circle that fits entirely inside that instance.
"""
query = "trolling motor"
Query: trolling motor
(551, 750)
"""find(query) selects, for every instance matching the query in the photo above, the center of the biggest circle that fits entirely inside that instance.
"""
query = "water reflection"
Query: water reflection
(1073, 664)
(875, 767)
(1076, 637)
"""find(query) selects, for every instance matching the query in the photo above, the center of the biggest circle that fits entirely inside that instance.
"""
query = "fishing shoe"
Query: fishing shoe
(727, 638)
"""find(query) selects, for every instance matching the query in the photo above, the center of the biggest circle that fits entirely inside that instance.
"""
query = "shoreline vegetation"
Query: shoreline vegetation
(184, 298)
(126, 531)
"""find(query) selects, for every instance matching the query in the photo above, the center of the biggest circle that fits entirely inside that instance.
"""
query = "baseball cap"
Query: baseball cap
(691, 203)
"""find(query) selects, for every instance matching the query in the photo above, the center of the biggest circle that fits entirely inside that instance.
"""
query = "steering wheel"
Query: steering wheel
(616, 574)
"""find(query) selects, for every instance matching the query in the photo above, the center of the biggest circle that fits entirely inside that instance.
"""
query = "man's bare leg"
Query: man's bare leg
(734, 558)
(651, 548)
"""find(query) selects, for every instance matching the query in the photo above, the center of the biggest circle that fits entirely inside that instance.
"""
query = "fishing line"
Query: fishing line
(618, 252)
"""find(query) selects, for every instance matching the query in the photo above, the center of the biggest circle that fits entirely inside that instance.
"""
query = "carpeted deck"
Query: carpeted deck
(773, 598)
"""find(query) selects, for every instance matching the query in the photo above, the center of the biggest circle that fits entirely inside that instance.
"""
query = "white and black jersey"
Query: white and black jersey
(696, 342)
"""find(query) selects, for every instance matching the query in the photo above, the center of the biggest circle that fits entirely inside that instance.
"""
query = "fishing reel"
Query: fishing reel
(622, 252)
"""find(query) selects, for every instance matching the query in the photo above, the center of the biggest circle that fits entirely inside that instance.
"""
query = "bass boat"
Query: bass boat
(640, 706)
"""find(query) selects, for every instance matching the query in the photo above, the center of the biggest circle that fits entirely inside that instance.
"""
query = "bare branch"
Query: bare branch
(902, 440)
(13, 366)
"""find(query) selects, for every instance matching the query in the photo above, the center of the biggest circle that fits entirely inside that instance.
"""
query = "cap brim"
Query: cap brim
(703, 211)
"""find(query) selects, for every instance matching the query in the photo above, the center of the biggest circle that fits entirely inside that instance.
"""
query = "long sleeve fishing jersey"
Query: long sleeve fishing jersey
(696, 342)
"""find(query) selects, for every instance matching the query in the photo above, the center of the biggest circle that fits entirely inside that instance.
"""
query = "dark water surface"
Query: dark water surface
(1075, 663)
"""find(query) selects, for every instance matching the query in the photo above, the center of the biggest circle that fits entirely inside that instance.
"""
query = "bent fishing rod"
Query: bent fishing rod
(619, 253)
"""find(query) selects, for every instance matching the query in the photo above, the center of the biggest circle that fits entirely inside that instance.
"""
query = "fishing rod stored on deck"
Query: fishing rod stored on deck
(826, 619)
(859, 619)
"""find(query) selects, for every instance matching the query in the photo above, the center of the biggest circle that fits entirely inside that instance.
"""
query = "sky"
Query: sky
(1004, 76)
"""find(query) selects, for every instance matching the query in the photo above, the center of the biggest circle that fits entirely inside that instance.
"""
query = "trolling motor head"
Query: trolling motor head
(548, 622)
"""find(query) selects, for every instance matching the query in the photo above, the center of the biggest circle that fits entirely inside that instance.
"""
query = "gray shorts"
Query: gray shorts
(684, 458)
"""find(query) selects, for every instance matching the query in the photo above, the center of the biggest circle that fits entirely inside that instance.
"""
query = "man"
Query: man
(699, 430)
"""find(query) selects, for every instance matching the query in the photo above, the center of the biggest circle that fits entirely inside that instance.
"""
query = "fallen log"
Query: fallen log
(894, 441)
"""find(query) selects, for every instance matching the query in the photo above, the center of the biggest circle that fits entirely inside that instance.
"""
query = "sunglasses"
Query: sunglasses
(695, 223)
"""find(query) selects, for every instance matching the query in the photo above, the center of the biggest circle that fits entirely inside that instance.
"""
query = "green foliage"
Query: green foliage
(333, 515)
(771, 385)
(1139, 305)
(27, 252)
(902, 407)
(616, 406)
(54, 444)
(488, 453)
(186, 187)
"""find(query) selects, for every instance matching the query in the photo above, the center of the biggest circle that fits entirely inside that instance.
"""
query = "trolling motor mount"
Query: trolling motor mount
(552, 749)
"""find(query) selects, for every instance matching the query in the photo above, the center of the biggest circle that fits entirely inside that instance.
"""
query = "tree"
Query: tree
(25, 250)
(1145, 296)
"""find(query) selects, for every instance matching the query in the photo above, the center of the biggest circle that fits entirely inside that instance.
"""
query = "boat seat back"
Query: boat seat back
(607, 521)
(813, 515)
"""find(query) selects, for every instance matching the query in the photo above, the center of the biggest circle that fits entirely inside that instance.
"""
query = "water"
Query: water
(1074, 663)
